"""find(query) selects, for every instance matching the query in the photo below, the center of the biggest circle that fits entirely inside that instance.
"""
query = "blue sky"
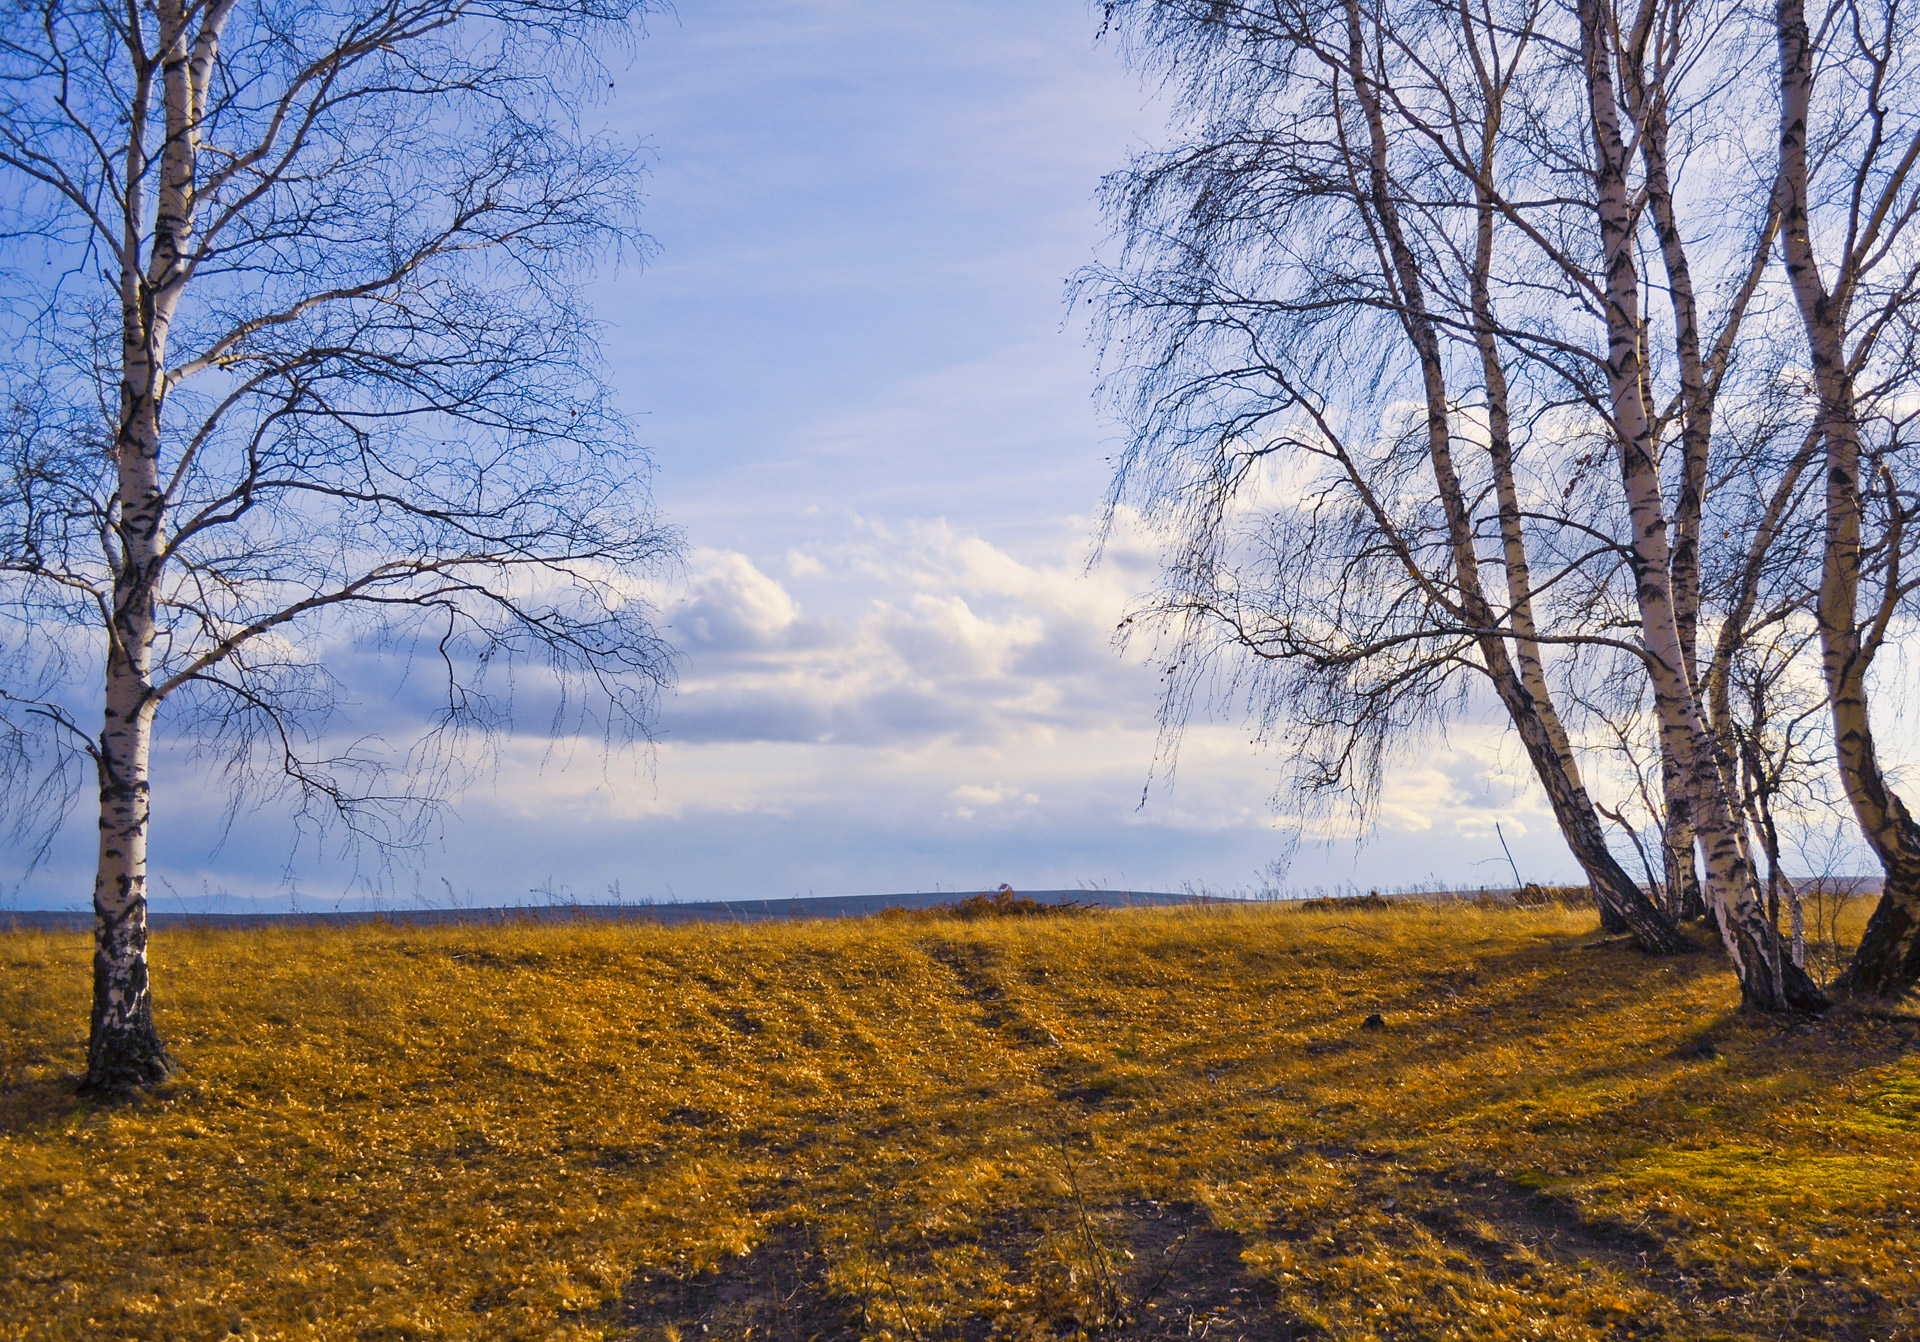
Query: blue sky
(874, 419)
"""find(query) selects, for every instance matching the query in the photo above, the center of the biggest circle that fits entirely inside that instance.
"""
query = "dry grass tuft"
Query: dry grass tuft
(1149, 1124)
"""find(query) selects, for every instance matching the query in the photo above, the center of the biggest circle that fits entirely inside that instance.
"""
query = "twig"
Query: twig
(1518, 884)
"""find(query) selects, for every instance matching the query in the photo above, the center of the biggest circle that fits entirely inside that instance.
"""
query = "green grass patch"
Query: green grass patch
(1752, 1178)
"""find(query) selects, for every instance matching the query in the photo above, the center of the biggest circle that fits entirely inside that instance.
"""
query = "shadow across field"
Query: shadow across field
(36, 1105)
(1142, 1272)
(1368, 1208)
(1185, 1278)
(778, 1292)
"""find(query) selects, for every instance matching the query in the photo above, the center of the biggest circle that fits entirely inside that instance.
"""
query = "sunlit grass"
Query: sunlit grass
(918, 1129)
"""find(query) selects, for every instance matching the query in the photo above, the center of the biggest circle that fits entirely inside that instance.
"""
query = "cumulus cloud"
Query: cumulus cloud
(972, 798)
(889, 637)
(925, 707)
(731, 605)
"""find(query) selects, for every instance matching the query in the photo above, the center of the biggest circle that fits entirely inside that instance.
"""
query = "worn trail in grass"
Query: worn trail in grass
(1147, 1124)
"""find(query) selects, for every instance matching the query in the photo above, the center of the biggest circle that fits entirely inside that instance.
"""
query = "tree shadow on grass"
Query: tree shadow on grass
(1184, 1277)
(1141, 1272)
(778, 1292)
(31, 1106)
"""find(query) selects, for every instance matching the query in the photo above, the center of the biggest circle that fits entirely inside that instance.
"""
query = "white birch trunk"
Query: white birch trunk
(1731, 890)
(124, 1048)
(1524, 693)
(1618, 896)
(1886, 966)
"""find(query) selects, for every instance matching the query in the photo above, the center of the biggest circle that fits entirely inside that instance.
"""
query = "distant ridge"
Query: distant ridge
(705, 911)
(797, 908)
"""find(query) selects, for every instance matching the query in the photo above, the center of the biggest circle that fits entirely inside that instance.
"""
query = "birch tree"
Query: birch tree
(298, 364)
(1751, 940)
(1290, 282)
(1482, 177)
(1848, 189)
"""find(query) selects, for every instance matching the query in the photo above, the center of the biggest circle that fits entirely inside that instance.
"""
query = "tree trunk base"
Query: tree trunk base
(1652, 931)
(1803, 995)
(1659, 936)
(1624, 906)
(121, 1063)
(1885, 970)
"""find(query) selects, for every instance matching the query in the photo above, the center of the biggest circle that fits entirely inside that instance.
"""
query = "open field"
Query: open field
(1147, 1124)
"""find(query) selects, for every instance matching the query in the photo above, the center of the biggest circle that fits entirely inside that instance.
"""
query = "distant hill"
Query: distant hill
(704, 911)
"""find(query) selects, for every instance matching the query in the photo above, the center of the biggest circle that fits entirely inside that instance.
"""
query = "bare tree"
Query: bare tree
(1295, 285)
(1751, 940)
(1380, 205)
(298, 368)
(1849, 195)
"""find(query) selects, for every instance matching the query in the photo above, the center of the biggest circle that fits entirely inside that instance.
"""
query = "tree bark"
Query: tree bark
(124, 1049)
(1886, 965)
(1649, 108)
(1523, 693)
(1730, 886)
(1685, 902)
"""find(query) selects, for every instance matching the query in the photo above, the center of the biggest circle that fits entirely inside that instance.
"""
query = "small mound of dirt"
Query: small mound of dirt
(1004, 903)
(1532, 896)
(1371, 902)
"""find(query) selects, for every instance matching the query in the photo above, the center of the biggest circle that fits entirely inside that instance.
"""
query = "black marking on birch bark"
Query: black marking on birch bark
(124, 1051)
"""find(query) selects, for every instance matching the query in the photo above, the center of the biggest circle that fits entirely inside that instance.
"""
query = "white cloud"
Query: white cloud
(730, 604)
(892, 637)
(972, 797)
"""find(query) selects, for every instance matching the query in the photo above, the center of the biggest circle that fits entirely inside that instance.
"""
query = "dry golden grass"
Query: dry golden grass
(1143, 1124)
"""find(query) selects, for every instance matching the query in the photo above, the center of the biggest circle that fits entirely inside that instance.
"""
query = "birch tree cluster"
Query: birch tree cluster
(1551, 359)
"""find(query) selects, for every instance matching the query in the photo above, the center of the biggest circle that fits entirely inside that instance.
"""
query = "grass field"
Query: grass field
(1150, 1124)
